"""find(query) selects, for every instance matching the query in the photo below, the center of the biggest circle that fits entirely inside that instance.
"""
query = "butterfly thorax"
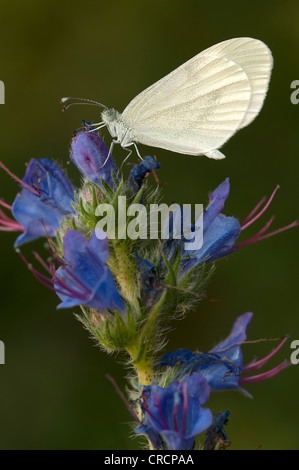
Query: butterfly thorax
(117, 127)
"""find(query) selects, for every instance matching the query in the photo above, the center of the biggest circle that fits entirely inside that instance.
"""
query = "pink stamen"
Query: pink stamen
(44, 280)
(146, 407)
(41, 167)
(185, 407)
(282, 229)
(68, 290)
(3, 215)
(42, 262)
(254, 210)
(175, 417)
(7, 229)
(158, 403)
(14, 226)
(25, 185)
(265, 375)
(62, 288)
(255, 365)
(10, 224)
(257, 236)
(4, 204)
(123, 398)
(74, 279)
(250, 222)
(68, 272)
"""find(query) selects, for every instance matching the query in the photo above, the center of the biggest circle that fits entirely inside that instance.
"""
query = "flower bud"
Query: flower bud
(89, 154)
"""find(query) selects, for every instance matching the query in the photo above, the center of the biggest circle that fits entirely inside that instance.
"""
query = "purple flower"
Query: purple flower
(174, 414)
(83, 277)
(44, 200)
(86, 278)
(89, 154)
(220, 232)
(223, 366)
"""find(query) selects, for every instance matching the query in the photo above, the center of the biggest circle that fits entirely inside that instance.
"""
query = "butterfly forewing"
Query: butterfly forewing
(201, 104)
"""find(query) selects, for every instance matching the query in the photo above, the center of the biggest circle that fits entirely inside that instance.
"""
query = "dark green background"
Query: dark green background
(53, 392)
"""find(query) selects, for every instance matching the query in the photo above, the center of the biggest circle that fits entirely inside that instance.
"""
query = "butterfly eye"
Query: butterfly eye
(109, 114)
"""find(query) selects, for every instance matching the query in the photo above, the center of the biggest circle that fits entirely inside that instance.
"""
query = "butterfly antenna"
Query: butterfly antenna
(79, 101)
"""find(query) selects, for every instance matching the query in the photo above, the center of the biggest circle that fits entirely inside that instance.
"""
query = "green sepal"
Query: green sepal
(148, 331)
(112, 331)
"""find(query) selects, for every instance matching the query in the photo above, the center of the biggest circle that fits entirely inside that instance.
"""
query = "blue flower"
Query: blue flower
(84, 278)
(89, 154)
(174, 414)
(223, 366)
(139, 172)
(221, 232)
(150, 285)
(175, 229)
(44, 200)
(216, 433)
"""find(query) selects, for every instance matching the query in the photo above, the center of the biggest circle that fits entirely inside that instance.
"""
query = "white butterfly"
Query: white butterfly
(196, 108)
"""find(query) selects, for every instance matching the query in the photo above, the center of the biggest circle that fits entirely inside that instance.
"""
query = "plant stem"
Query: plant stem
(124, 267)
(144, 368)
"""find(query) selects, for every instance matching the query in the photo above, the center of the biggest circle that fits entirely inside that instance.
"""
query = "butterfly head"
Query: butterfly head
(110, 115)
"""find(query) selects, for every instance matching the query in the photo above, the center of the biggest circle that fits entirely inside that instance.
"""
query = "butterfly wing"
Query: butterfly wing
(256, 60)
(196, 108)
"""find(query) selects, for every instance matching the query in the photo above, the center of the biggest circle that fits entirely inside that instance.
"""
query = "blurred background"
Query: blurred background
(53, 391)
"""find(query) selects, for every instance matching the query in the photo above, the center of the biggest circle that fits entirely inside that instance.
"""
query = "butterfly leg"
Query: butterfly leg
(109, 153)
(137, 151)
(125, 147)
(127, 157)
